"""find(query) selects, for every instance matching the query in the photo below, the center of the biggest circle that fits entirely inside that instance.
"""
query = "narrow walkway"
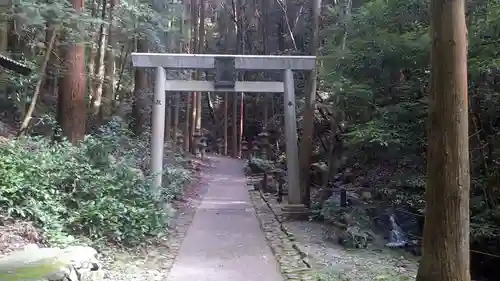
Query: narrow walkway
(225, 241)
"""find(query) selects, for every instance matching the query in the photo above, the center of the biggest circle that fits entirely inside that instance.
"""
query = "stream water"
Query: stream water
(398, 224)
(397, 238)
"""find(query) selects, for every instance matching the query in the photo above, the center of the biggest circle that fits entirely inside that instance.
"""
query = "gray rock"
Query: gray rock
(75, 263)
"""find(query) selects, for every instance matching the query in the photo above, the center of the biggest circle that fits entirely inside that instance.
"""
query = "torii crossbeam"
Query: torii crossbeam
(226, 67)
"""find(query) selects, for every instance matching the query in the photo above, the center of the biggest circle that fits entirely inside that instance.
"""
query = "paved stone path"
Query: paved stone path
(225, 241)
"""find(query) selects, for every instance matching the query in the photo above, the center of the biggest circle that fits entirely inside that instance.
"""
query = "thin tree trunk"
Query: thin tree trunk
(122, 60)
(242, 117)
(308, 121)
(195, 48)
(237, 27)
(71, 98)
(210, 105)
(175, 127)
(346, 24)
(4, 40)
(110, 66)
(94, 7)
(177, 98)
(187, 132)
(201, 48)
(98, 76)
(234, 147)
(446, 230)
(168, 119)
(265, 41)
(29, 112)
(169, 98)
(226, 101)
(283, 5)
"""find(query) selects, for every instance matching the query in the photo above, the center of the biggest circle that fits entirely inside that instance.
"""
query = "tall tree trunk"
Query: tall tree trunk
(195, 28)
(92, 50)
(177, 97)
(140, 90)
(226, 108)
(168, 119)
(187, 131)
(169, 99)
(14, 39)
(71, 98)
(239, 41)
(265, 41)
(175, 127)
(242, 28)
(4, 39)
(50, 83)
(225, 25)
(201, 49)
(308, 127)
(189, 19)
(110, 66)
(242, 117)
(446, 230)
(98, 76)
(234, 147)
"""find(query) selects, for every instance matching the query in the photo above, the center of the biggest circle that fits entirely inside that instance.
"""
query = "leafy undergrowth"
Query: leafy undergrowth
(256, 165)
(95, 191)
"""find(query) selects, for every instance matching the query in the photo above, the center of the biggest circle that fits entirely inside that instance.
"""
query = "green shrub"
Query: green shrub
(258, 165)
(175, 179)
(83, 190)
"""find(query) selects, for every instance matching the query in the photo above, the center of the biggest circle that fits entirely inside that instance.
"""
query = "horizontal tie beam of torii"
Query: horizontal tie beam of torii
(226, 67)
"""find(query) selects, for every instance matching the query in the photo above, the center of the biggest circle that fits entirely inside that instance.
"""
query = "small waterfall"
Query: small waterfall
(397, 238)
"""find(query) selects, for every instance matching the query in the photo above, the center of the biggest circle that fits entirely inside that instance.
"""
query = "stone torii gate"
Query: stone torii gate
(226, 67)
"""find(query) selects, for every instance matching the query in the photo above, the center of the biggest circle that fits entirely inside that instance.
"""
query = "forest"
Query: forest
(76, 116)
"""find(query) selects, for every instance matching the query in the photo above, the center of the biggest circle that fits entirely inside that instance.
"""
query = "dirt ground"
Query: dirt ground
(353, 264)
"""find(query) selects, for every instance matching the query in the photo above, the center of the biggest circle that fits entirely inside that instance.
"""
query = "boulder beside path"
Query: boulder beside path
(74, 263)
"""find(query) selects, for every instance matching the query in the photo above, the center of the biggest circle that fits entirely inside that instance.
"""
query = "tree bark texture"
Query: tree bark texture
(446, 230)
(98, 71)
(4, 37)
(226, 107)
(140, 93)
(72, 107)
(308, 129)
(201, 49)
(194, 49)
(168, 119)
(175, 127)
(234, 124)
(110, 66)
(237, 16)
(189, 21)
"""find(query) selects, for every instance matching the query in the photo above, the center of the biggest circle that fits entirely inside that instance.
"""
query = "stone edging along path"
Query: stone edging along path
(293, 262)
